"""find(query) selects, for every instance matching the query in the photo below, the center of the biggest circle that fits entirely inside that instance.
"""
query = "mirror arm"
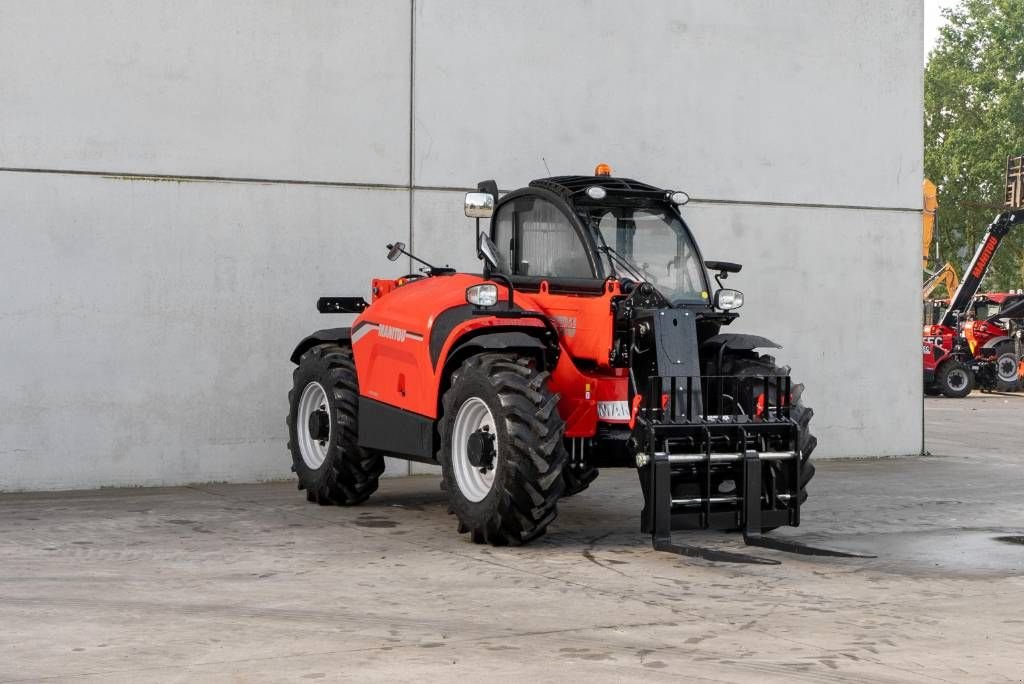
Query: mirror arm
(477, 245)
(416, 258)
(507, 282)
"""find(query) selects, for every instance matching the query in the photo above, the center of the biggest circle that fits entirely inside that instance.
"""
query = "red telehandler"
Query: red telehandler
(950, 365)
(593, 338)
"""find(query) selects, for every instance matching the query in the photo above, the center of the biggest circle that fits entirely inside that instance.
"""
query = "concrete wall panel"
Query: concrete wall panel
(794, 101)
(833, 287)
(315, 90)
(148, 324)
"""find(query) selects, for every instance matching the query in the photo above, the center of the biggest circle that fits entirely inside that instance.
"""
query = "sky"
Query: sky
(932, 21)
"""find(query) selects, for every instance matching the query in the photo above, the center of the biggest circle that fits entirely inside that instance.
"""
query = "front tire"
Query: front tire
(501, 450)
(764, 366)
(955, 379)
(323, 421)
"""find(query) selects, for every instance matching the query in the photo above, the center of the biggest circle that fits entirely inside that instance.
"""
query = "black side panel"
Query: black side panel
(676, 341)
(666, 347)
(395, 432)
(443, 326)
(319, 337)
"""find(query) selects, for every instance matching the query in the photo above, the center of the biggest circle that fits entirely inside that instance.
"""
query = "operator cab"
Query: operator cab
(574, 232)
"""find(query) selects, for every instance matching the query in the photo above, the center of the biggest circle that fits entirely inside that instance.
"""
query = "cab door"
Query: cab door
(550, 256)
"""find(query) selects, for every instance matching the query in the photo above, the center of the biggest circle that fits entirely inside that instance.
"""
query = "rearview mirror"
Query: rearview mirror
(723, 266)
(479, 204)
(395, 251)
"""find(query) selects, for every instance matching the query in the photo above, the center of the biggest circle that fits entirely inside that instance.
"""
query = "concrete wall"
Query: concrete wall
(180, 179)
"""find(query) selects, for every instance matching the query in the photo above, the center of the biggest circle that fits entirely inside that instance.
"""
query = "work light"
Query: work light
(484, 294)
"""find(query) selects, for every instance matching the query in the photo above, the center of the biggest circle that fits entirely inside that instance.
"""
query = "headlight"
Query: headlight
(728, 299)
(484, 294)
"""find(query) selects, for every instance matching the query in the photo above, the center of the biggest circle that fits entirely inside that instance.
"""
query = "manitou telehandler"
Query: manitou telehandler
(591, 339)
(952, 365)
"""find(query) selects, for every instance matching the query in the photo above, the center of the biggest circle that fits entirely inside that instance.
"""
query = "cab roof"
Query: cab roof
(572, 188)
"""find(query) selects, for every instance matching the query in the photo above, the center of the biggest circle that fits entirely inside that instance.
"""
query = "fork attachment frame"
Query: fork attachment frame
(701, 468)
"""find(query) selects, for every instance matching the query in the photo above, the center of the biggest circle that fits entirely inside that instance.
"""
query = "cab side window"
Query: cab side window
(537, 239)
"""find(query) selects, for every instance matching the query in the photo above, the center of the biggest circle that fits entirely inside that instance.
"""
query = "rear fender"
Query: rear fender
(328, 335)
(996, 341)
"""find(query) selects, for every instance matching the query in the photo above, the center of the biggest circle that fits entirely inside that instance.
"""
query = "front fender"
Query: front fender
(741, 342)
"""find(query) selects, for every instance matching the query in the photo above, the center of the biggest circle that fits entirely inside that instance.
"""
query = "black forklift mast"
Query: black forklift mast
(997, 230)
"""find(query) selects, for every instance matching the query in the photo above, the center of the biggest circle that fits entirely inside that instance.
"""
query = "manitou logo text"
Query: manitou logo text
(391, 333)
(567, 324)
(985, 256)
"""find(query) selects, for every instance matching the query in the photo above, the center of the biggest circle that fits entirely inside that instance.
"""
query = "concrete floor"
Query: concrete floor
(250, 583)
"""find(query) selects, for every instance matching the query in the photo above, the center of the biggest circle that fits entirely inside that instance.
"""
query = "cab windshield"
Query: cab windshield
(656, 243)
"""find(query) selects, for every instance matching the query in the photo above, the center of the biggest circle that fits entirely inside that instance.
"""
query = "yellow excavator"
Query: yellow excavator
(945, 276)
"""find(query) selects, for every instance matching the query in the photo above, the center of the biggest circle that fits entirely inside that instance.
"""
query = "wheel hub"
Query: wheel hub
(319, 425)
(1007, 368)
(957, 379)
(481, 449)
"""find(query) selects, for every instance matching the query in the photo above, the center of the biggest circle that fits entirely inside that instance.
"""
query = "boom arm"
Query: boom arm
(975, 273)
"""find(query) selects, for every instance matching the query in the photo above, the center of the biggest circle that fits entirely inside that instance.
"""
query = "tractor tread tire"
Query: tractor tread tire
(942, 374)
(799, 412)
(523, 499)
(1003, 348)
(349, 474)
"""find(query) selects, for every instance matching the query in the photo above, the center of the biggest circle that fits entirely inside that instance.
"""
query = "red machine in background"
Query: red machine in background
(962, 350)
(992, 328)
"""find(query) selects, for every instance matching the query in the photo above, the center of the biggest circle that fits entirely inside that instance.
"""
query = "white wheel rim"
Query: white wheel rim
(313, 450)
(473, 415)
(1006, 367)
(957, 379)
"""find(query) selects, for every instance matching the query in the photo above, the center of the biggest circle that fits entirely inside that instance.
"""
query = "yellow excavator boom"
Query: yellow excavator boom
(944, 276)
(931, 204)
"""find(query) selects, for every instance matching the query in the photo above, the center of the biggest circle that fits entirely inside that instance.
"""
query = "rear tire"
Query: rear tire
(955, 379)
(1007, 368)
(515, 499)
(323, 422)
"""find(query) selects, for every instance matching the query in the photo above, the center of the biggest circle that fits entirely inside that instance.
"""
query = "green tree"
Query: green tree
(974, 119)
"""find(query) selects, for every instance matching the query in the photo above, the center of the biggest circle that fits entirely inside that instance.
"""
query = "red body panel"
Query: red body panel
(392, 338)
(936, 345)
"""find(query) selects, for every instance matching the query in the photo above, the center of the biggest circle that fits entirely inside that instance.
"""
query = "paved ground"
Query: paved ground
(250, 583)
